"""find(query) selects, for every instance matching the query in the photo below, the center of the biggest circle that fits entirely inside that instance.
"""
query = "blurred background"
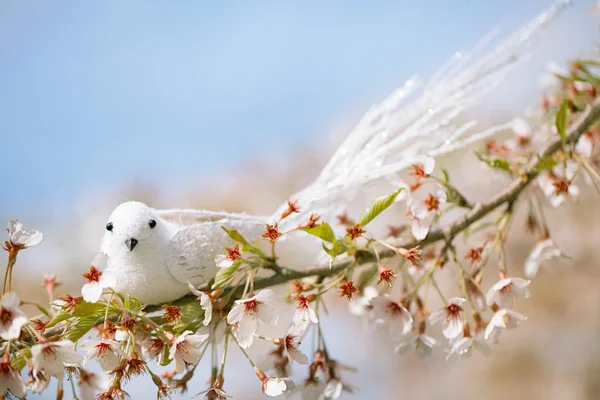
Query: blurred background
(234, 107)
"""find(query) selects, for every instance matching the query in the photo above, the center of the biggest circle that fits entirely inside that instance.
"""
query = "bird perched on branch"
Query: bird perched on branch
(153, 254)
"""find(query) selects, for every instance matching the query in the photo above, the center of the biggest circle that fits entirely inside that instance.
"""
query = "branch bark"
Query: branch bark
(480, 210)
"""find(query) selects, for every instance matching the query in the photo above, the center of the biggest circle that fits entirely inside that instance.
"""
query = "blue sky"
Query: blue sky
(99, 94)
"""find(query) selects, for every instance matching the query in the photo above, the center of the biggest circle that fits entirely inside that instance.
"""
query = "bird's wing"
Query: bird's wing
(192, 251)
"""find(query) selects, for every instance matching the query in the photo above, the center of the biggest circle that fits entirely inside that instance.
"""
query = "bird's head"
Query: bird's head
(134, 228)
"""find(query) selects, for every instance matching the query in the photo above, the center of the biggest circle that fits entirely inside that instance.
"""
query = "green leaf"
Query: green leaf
(561, 121)
(132, 305)
(60, 317)
(546, 163)
(190, 312)
(338, 248)
(83, 326)
(445, 176)
(377, 207)
(494, 162)
(18, 360)
(322, 231)
(84, 308)
(223, 274)
(246, 246)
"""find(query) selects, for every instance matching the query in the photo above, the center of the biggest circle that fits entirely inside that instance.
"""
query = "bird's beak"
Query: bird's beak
(131, 243)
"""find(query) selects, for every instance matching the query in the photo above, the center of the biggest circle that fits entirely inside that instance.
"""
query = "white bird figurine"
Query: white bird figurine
(153, 254)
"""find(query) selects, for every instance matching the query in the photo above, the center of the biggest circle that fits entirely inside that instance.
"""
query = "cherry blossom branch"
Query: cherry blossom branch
(479, 211)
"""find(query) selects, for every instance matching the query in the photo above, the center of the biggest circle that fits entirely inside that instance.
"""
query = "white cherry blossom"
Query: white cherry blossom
(423, 212)
(108, 353)
(502, 319)
(10, 380)
(393, 314)
(421, 342)
(12, 318)
(463, 346)
(53, 357)
(543, 251)
(205, 303)
(19, 238)
(98, 278)
(450, 317)
(505, 290)
(244, 317)
(585, 145)
(91, 384)
(186, 350)
(557, 184)
(274, 387)
(293, 339)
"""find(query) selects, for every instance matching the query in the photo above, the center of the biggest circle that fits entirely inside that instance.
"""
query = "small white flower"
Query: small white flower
(213, 393)
(522, 137)
(585, 145)
(450, 315)
(582, 86)
(205, 303)
(121, 334)
(502, 319)
(312, 389)
(558, 184)
(392, 314)
(19, 238)
(53, 357)
(11, 318)
(293, 339)
(10, 380)
(98, 278)
(108, 353)
(423, 212)
(543, 251)
(274, 387)
(463, 346)
(186, 350)
(335, 387)
(39, 381)
(505, 290)
(229, 258)
(91, 385)
(245, 315)
(153, 348)
(549, 81)
(362, 305)
(422, 343)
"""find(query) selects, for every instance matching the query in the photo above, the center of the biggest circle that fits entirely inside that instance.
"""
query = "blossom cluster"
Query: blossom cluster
(392, 281)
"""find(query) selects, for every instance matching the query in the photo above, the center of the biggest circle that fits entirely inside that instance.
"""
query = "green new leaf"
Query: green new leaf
(445, 176)
(223, 275)
(546, 163)
(132, 305)
(18, 361)
(83, 326)
(338, 248)
(377, 207)
(561, 121)
(322, 231)
(190, 312)
(494, 162)
(246, 246)
(60, 317)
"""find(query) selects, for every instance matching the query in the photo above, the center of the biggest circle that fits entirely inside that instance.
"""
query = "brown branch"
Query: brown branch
(480, 210)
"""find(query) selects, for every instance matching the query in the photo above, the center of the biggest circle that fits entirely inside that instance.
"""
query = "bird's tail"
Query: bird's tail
(420, 119)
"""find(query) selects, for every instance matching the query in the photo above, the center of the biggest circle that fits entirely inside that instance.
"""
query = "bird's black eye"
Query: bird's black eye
(109, 226)
(152, 223)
